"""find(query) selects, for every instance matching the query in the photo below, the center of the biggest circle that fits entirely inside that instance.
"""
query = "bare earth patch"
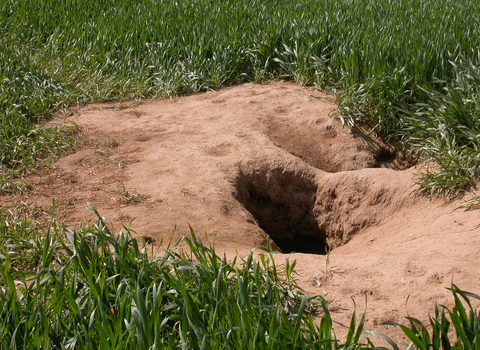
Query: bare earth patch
(254, 161)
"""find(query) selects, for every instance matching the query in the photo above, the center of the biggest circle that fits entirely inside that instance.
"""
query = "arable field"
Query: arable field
(408, 69)
(218, 115)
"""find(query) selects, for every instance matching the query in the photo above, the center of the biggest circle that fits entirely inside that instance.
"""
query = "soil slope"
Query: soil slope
(257, 161)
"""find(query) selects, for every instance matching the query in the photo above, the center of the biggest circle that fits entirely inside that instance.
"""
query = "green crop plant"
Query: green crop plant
(128, 195)
(457, 328)
(403, 68)
(94, 289)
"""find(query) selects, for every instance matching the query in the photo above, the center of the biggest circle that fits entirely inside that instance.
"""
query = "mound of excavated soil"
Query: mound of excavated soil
(257, 161)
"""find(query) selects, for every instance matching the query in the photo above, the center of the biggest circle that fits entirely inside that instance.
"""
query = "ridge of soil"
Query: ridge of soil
(252, 161)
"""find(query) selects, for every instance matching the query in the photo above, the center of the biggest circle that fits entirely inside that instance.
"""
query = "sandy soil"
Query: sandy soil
(254, 161)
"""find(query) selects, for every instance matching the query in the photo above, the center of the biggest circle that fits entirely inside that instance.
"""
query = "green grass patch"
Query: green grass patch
(94, 289)
(407, 69)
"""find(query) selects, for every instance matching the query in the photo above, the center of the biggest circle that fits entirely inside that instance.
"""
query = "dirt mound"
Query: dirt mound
(257, 161)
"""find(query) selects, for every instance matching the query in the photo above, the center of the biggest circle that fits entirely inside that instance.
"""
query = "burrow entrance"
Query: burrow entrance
(282, 202)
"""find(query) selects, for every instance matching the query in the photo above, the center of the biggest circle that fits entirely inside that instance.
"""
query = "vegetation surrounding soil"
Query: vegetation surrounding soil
(96, 289)
(406, 71)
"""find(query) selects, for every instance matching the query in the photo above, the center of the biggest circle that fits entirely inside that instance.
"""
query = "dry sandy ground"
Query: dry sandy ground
(256, 160)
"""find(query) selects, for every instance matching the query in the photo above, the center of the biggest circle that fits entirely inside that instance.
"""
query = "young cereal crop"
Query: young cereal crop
(94, 289)
(97, 290)
(407, 69)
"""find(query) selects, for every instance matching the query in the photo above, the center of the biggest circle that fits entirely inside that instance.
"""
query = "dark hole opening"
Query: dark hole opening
(283, 208)
(385, 156)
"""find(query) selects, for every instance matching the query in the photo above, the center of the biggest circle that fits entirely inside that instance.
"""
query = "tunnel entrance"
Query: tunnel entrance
(282, 202)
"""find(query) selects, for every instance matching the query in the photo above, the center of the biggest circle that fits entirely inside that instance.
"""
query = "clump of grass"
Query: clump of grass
(29, 147)
(98, 290)
(129, 195)
(457, 328)
(446, 130)
(12, 184)
(21, 151)
(112, 143)
(473, 203)
(94, 289)
(19, 233)
(439, 120)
